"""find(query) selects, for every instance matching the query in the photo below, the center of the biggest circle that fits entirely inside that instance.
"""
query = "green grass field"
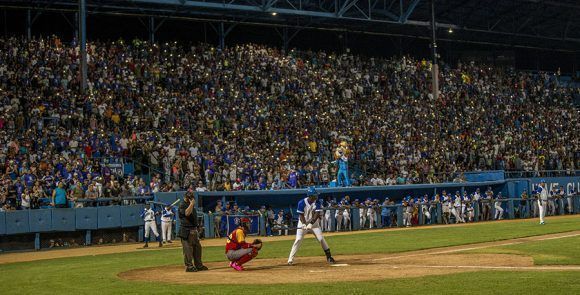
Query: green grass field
(564, 251)
(98, 274)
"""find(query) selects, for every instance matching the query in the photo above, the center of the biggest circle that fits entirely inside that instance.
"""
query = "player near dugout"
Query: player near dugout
(309, 211)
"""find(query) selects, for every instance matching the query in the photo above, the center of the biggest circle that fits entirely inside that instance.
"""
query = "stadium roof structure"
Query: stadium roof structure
(519, 23)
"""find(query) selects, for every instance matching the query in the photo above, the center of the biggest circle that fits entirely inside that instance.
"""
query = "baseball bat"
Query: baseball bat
(175, 203)
(163, 204)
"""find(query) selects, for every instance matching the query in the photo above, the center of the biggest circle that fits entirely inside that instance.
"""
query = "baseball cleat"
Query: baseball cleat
(146, 245)
(330, 260)
(290, 262)
(543, 222)
(202, 268)
(236, 266)
(191, 269)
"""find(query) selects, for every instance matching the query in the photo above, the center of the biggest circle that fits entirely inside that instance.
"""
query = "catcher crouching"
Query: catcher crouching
(238, 251)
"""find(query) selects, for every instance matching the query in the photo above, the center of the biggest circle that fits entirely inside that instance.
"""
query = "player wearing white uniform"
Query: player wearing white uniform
(445, 207)
(570, 200)
(341, 215)
(470, 208)
(476, 202)
(346, 213)
(280, 224)
(148, 216)
(371, 212)
(327, 225)
(456, 209)
(309, 212)
(498, 208)
(167, 224)
(362, 212)
(464, 200)
(425, 209)
(542, 192)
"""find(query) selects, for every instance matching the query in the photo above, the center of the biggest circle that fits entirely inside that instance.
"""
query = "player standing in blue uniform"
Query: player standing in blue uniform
(310, 212)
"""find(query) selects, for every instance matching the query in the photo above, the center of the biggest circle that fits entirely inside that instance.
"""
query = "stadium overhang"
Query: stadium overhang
(525, 23)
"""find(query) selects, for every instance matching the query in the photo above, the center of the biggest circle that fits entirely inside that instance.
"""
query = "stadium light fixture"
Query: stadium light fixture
(274, 13)
(450, 31)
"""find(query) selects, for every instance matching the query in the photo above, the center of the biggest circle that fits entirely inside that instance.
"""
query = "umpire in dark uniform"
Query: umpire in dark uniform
(189, 234)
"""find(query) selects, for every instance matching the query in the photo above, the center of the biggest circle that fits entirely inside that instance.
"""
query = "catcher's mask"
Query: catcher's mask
(245, 223)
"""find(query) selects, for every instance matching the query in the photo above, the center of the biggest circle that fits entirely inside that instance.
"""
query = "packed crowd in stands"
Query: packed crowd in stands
(254, 117)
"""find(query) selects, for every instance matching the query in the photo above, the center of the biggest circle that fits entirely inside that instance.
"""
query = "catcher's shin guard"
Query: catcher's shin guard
(247, 257)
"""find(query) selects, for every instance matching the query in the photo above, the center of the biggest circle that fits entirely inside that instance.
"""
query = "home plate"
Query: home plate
(336, 265)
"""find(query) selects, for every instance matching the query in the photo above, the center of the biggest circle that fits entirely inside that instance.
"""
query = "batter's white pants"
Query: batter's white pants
(166, 230)
(300, 236)
(542, 207)
(570, 205)
(498, 212)
(151, 226)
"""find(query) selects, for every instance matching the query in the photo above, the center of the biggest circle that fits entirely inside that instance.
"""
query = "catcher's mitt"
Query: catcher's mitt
(257, 244)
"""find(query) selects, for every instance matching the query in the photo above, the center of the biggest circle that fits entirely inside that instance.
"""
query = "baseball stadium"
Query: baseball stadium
(290, 147)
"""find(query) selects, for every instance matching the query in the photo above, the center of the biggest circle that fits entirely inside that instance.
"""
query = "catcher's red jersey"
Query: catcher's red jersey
(237, 240)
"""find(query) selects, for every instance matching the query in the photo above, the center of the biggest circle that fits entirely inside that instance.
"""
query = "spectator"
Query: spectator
(240, 118)
(59, 196)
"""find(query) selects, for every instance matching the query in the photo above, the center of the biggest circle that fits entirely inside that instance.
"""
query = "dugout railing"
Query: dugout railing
(421, 214)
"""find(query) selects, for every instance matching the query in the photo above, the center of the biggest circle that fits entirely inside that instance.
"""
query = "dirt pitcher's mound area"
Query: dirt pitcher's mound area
(315, 269)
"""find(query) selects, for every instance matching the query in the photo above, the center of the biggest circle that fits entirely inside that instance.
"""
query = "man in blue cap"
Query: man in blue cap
(309, 213)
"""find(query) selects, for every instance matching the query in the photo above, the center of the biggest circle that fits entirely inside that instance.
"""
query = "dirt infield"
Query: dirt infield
(355, 267)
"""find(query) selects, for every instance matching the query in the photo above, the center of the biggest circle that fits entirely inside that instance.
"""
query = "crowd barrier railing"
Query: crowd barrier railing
(424, 214)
